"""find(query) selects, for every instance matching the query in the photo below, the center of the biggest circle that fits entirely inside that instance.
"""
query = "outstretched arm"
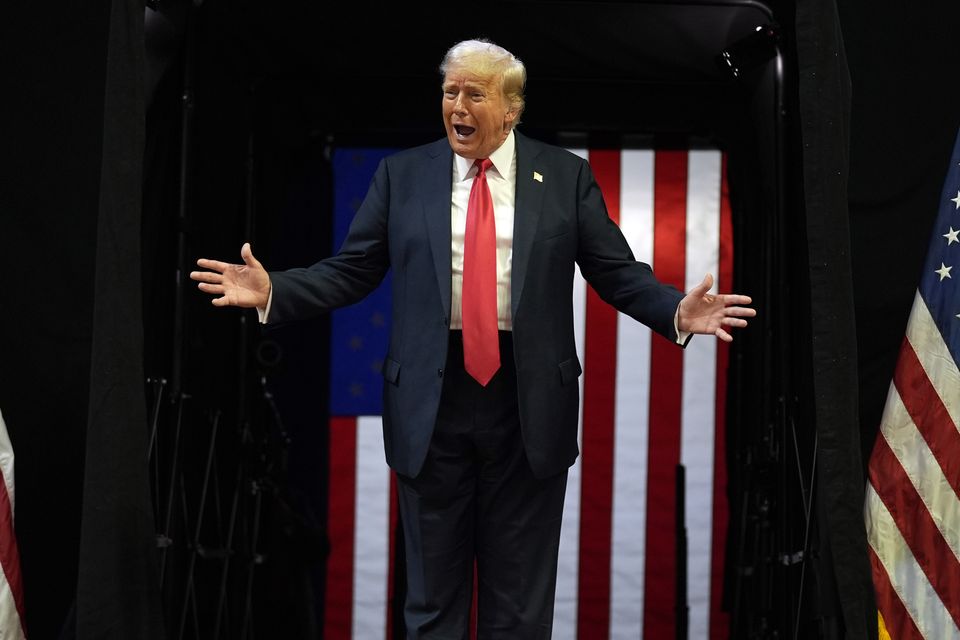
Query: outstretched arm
(237, 285)
(706, 313)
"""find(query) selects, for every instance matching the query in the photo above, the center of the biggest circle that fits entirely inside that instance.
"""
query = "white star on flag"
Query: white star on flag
(956, 200)
(943, 271)
(951, 236)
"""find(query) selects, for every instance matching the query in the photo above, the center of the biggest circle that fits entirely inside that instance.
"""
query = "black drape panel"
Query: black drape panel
(48, 208)
(70, 336)
(823, 108)
(117, 593)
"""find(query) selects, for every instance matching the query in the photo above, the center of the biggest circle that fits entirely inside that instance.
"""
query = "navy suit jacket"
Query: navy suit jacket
(404, 225)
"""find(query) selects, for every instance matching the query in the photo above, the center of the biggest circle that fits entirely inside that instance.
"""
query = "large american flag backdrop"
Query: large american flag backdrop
(646, 406)
(912, 508)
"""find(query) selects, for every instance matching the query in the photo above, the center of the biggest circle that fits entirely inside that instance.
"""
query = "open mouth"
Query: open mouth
(463, 131)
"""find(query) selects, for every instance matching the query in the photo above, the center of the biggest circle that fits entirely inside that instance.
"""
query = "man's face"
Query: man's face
(475, 113)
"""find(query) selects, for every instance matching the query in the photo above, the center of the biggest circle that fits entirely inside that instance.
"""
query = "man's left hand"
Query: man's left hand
(706, 313)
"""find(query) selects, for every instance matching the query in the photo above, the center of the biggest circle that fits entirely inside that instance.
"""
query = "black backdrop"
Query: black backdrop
(70, 249)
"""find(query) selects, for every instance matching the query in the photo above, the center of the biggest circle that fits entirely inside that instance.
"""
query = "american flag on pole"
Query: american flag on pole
(647, 405)
(912, 509)
(11, 586)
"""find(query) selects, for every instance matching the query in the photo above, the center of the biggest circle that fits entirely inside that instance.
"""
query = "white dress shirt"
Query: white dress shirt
(502, 180)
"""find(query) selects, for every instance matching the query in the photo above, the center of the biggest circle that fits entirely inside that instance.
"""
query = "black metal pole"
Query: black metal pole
(252, 563)
(228, 552)
(681, 607)
(153, 451)
(808, 514)
(183, 206)
(195, 548)
(756, 62)
(164, 538)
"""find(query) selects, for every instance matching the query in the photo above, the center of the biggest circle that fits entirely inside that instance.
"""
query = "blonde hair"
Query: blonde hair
(488, 60)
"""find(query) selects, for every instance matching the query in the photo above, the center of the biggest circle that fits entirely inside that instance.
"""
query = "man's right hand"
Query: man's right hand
(237, 285)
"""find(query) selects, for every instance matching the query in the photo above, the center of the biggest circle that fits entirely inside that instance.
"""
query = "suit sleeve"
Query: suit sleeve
(355, 271)
(608, 264)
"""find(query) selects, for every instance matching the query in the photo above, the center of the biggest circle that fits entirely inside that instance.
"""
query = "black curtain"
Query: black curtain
(842, 591)
(71, 372)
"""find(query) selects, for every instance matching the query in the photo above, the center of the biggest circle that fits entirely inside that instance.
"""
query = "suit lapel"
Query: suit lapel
(527, 206)
(438, 178)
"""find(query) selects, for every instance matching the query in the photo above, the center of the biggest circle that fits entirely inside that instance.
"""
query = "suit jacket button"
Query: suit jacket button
(439, 373)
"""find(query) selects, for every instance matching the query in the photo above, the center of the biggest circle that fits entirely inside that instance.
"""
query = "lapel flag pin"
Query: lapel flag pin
(537, 177)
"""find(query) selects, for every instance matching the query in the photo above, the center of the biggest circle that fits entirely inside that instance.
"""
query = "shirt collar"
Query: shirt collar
(502, 159)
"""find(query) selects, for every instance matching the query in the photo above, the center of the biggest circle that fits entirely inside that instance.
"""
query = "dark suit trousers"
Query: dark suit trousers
(477, 501)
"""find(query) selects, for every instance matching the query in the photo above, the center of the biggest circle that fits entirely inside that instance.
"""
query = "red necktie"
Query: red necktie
(481, 347)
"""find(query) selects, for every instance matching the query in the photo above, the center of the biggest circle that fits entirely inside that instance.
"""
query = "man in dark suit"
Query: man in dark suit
(482, 231)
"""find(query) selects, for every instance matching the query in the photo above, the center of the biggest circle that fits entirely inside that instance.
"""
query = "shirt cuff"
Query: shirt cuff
(682, 336)
(264, 312)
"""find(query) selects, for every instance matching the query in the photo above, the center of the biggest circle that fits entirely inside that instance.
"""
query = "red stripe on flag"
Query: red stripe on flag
(9, 555)
(927, 544)
(897, 620)
(338, 618)
(666, 359)
(599, 383)
(928, 413)
(392, 570)
(719, 620)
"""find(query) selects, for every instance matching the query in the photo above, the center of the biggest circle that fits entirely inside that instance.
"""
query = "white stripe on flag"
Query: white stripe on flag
(699, 386)
(923, 604)
(923, 334)
(631, 428)
(6, 465)
(9, 620)
(371, 553)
